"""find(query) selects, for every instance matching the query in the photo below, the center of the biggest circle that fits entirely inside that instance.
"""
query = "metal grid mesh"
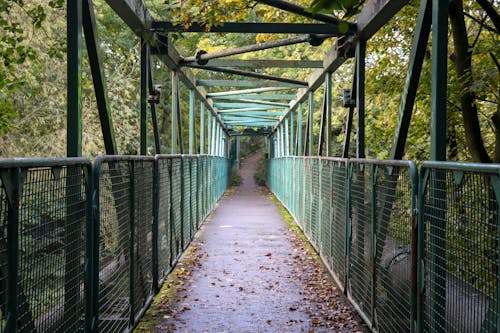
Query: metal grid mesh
(51, 233)
(176, 224)
(3, 255)
(325, 222)
(186, 201)
(142, 247)
(114, 246)
(360, 261)
(339, 220)
(164, 230)
(393, 221)
(315, 197)
(461, 223)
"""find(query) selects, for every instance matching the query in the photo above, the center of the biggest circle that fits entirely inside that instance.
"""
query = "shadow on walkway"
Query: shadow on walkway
(247, 271)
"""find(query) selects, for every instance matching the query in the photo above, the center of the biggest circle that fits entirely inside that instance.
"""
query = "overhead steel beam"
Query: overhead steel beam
(138, 18)
(252, 27)
(263, 109)
(244, 91)
(248, 74)
(263, 63)
(134, 13)
(258, 97)
(373, 16)
(252, 113)
(248, 117)
(246, 83)
(299, 10)
(202, 58)
(253, 104)
(271, 104)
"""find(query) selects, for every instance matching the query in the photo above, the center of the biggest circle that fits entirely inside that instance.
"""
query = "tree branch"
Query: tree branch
(492, 13)
(485, 26)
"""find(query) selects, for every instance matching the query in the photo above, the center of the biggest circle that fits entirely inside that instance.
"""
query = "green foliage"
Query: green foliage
(261, 173)
(234, 177)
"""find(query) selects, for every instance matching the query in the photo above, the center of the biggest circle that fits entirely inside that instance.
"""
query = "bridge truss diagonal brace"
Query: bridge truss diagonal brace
(374, 15)
(138, 18)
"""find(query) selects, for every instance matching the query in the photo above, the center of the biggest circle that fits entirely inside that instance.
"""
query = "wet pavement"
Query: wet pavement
(247, 271)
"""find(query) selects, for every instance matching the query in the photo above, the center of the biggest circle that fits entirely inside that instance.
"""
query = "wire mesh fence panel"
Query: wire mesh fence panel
(338, 247)
(186, 200)
(325, 225)
(306, 223)
(50, 232)
(3, 255)
(176, 213)
(142, 246)
(393, 220)
(461, 221)
(194, 195)
(361, 236)
(315, 204)
(164, 229)
(114, 245)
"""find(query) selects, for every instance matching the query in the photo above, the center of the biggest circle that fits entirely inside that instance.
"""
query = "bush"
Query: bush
(261, 174)
(235, 178)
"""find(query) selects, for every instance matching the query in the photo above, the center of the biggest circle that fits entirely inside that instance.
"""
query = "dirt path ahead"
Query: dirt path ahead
(247, 271)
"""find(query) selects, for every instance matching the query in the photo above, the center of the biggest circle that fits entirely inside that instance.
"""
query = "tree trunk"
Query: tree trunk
(463, 66)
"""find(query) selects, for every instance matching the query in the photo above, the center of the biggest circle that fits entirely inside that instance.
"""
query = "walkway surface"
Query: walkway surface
(247, 271)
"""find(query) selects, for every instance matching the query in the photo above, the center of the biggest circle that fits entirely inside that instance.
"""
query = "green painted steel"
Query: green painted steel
(202, 128)
(310, 117)
(43, 244)
(191, 121)
(299, 131)
(328, 118)
(266, 63)
(74, 78)
(263, 105)
(91, 258)
(144, 97)
(360, 97)
(98, 77)
(333, 197)
(245, 83)
(175, 105)
(261, 97)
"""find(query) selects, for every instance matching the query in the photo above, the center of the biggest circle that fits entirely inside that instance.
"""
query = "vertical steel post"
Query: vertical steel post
(202, 128)
(437, 233)
(131, 243)
(292, 134)
(328, 105)
(310, 121)
(13, 196)
(191, 121)
(360, 96)
(74, 78)
(144, 97)
(154, 226)
(287, 137)
(174, 129)
(214, 135)
(299, 131)
(209, 133)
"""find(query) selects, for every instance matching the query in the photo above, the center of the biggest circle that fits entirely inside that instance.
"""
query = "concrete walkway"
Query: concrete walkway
(248, 272)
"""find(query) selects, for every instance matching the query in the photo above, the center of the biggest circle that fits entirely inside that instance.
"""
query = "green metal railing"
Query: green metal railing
(86, 250)
(412, 253)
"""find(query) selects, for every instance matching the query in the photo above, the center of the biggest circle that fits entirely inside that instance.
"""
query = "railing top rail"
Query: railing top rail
(7, 163)
(463, 166)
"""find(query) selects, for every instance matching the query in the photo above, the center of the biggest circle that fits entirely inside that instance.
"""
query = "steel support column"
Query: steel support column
(310, 123)
(74, 78)
(144, 97)
(437, 228)
(360, 97)
(287, 137)
(191, 121)
(299, 131)
(175, 105)
(291, 143)
(202, 128)
(328, 118)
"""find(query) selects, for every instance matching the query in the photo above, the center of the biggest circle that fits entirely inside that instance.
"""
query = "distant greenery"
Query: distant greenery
(261, 173)
(235, 177)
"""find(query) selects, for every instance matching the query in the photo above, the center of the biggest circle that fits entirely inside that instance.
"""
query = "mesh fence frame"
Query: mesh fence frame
(164, 209)
(176, 223)
(325, 222)
(339, 170)
(50, 232)
(461, 223)
(186, 201)
(360, 281)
